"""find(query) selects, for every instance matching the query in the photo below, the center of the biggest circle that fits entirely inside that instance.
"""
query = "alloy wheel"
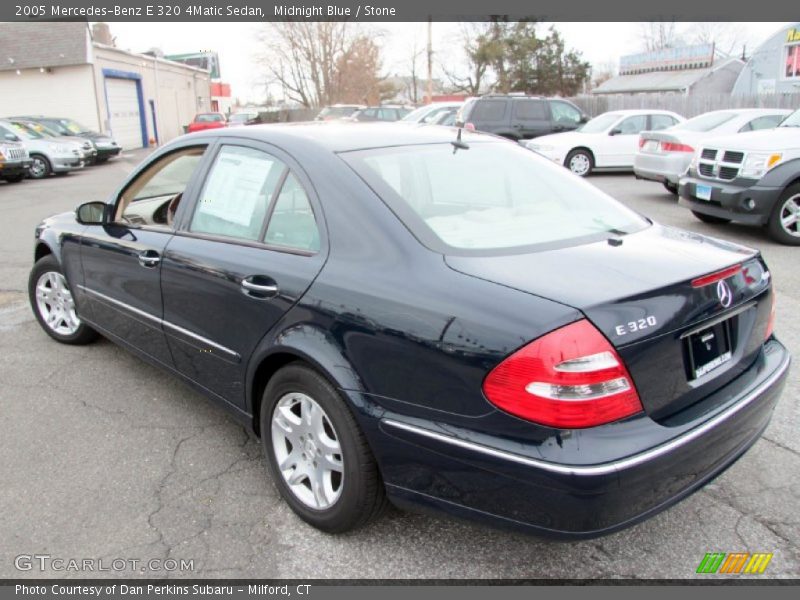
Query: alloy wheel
(307, 451)
(55, 304)
(790, 216)
(38, 168)
(580, 164)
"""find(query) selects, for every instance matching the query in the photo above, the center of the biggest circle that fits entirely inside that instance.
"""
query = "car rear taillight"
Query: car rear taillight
(469, 126)
(642, 141)
(771, 320)
(716, 276)
(569, 378)
(675, 147)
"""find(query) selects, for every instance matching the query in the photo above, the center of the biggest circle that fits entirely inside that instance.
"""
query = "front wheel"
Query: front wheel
(53, 305)
(671, 187)
(15, 178)
(40, 167)
(712, 220)
(317, 455)
(784, 221)
(580, 162)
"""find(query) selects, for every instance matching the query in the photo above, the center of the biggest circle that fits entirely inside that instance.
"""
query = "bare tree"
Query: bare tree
(658, 35)
(728, 38)
(412, 89)
(473, 42)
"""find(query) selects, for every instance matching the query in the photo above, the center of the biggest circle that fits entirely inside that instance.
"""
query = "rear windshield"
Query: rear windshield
(706, 122)
(495, 196)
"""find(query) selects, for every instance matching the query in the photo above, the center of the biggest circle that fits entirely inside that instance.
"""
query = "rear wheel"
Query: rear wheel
(53, 305)
(710, 218)
(40, 167)
(671, 187)
(317, 455)
(580, 162)
(784, 221)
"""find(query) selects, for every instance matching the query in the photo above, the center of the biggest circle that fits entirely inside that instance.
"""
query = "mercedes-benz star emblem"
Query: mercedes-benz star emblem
(724, 294)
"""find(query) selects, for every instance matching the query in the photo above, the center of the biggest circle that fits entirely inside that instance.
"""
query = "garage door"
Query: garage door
(123, 110)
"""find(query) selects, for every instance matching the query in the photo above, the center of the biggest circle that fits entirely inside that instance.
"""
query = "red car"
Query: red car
(207, 121)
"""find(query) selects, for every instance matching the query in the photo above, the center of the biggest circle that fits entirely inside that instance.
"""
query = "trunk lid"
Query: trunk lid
(640, 295)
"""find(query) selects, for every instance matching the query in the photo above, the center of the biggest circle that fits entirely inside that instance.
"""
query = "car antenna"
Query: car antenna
(458, 144)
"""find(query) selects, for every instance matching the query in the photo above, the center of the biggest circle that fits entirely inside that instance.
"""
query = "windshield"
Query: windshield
(26, 133)
(705, 122)
(793, 120)
(492, 196)
(73, 126)
(44, 130)
(600, 124)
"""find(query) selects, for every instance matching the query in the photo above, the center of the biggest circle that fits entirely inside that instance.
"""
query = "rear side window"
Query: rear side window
(292, 223)
(766, 122)
(489, 110)
(493, 197)
(659, 122)
(530, 110)
(238, 190)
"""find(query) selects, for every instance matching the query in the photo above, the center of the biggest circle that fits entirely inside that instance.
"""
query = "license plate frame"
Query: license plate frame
(709, 349)
(703, 192)
(651, 146)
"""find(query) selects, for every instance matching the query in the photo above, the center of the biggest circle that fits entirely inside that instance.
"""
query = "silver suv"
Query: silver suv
(47, 155)
(14, 161)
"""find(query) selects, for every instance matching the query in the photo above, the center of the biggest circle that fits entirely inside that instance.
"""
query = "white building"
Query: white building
(59, 70)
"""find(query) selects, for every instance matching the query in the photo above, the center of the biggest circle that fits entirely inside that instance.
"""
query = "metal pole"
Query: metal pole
(430, 60)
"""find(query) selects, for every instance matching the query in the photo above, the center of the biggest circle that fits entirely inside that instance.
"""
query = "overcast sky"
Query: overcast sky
(236, 43)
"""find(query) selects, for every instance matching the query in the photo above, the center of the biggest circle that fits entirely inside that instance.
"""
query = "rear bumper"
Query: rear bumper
(661, 167)
(728, 200)
(431, 466)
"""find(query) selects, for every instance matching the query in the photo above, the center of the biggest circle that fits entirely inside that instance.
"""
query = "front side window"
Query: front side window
(491, 197)
(237, 192)
(659, 122)
(765, 122)
(152, 198)
(565, 113)
(633, 125)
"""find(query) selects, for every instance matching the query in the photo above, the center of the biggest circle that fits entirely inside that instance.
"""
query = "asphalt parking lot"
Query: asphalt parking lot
(106, 457)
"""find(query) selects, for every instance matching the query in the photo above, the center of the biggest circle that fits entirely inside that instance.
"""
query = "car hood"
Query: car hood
(568, 138)
(766, 140)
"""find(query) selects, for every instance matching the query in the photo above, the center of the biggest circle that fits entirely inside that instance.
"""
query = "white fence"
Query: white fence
(688, 106)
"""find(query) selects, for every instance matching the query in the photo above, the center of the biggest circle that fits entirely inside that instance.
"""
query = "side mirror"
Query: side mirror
(583, 119)
(615, 131)
(92, 213)
(11, 137)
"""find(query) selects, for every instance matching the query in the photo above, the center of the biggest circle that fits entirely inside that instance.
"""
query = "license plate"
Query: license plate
(651, 146)
(709, 349)
(703, 192)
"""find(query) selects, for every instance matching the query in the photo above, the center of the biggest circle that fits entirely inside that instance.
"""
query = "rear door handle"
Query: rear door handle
(259, 286)
(149, 258)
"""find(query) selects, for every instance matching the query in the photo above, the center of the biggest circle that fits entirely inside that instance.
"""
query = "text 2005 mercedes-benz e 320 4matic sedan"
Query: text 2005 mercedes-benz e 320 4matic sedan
(446, 321)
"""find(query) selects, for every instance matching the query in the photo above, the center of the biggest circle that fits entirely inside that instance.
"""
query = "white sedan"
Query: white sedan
(609, 141)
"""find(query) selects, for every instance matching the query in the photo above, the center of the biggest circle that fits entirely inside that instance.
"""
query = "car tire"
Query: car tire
(304, 421)
(100, 161)
(580, 162)
(710, 219)
(671, 187)
(15, 178)
(53, 305)
(40, 167)
(784, 220)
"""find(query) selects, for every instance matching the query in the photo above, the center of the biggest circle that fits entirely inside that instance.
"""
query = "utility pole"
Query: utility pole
(430, 60)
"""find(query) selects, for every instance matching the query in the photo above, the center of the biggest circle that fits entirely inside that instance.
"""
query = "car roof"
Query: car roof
(335, 136)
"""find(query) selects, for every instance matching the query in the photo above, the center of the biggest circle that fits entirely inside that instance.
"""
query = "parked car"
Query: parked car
(751, 178)
(338, 111)
(520, 117)
(558, 363)
(607, 142)
(386, 112)
(14, 161)
(87, 145)
(240, 119)
(665, 155)
(203, 121)
(105, 144)
(48, 155)
(430, 113)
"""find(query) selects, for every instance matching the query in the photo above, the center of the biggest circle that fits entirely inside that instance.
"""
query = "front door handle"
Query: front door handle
(149, 258)
(259, 286)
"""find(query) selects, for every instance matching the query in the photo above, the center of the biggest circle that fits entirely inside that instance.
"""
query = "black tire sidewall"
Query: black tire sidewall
(710, 219)
(347, 510)
(47, 264)
(774, 227)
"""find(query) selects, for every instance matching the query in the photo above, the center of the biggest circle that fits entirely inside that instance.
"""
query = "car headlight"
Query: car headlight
(758, 163)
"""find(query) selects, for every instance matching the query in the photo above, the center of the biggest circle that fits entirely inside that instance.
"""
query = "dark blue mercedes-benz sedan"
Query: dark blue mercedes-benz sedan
(437, 318)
